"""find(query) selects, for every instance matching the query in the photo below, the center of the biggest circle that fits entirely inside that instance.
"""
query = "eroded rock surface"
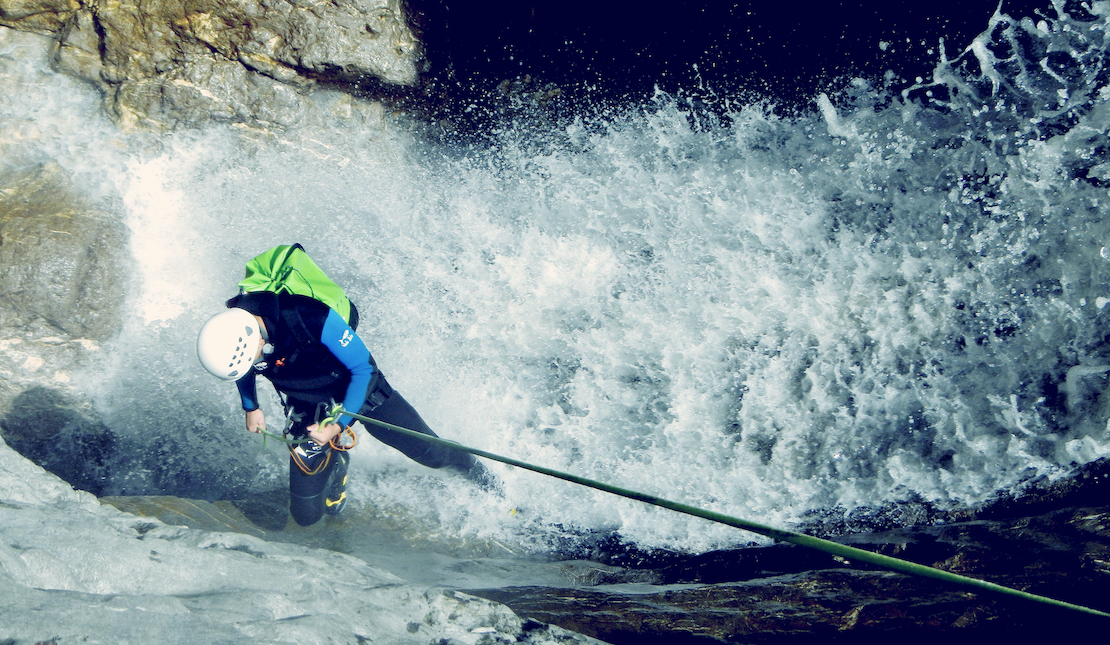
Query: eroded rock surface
(63, 280)
(164, 64)
(60, 257)
(74, 571)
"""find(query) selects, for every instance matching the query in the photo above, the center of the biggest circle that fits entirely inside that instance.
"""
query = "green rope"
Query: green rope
(333, 416)
(800, 539)
(281, 438)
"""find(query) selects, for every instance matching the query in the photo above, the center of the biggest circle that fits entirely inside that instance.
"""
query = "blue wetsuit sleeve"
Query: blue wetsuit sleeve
(248, 391)
(345, 344)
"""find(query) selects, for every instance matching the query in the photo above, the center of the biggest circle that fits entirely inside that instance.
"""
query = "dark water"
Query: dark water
(623, 51)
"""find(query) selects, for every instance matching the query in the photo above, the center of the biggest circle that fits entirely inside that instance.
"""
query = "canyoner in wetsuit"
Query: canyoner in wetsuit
(314, 358)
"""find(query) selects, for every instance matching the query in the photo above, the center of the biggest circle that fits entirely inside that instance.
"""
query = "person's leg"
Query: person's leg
(311, 469)
(395, 410)
(387, 405)
(335, 492)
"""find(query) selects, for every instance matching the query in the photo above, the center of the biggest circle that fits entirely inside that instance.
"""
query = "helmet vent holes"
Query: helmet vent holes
(229, 330)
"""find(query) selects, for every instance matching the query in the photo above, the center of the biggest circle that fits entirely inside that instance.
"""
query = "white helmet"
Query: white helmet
(228, 343)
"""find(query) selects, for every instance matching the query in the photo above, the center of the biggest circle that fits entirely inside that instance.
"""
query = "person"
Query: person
(314, 358)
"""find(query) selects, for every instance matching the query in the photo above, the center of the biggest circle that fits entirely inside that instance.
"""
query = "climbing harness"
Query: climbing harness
(333, 412)
(841, 550)
(281, 438)
(298, 458)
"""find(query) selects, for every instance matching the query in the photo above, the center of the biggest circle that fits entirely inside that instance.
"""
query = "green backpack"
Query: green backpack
(288, 269)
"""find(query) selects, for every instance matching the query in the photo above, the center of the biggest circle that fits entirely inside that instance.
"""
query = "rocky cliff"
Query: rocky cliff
(162, 64)
(63, 279)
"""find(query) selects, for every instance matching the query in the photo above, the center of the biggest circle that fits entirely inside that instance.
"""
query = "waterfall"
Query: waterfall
(883, 300)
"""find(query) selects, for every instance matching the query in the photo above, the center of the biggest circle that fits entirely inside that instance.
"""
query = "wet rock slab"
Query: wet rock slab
(75, 571)
(810, 607)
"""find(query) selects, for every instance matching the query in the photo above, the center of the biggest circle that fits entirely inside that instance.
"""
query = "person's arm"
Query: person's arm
(248, 390)
(256, 421)
(248, 393)
(345, 344)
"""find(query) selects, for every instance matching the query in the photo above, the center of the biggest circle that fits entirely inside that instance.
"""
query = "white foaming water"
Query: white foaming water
(872, 304)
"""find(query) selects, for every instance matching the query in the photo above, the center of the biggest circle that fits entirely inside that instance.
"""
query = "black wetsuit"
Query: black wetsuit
(310, 375)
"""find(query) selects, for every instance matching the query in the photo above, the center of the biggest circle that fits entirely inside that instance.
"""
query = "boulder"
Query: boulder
(164, 64)
(60, 264)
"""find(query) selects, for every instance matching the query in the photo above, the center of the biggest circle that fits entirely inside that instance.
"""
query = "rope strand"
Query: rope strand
(844, 551)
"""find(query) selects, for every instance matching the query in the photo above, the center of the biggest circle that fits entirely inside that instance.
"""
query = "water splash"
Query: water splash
(882, 301)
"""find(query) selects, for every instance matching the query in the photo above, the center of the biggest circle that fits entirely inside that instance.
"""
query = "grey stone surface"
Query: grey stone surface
(72, 570)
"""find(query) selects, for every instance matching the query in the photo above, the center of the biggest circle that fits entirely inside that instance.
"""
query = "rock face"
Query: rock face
(1053, 542)
(59, 257)
(60, 431)
(62, 280)
(49, 429)
(72, 570)
(165, 64)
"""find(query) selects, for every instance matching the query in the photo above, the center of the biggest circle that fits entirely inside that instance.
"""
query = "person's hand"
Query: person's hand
(256, 421)
(323, 435)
